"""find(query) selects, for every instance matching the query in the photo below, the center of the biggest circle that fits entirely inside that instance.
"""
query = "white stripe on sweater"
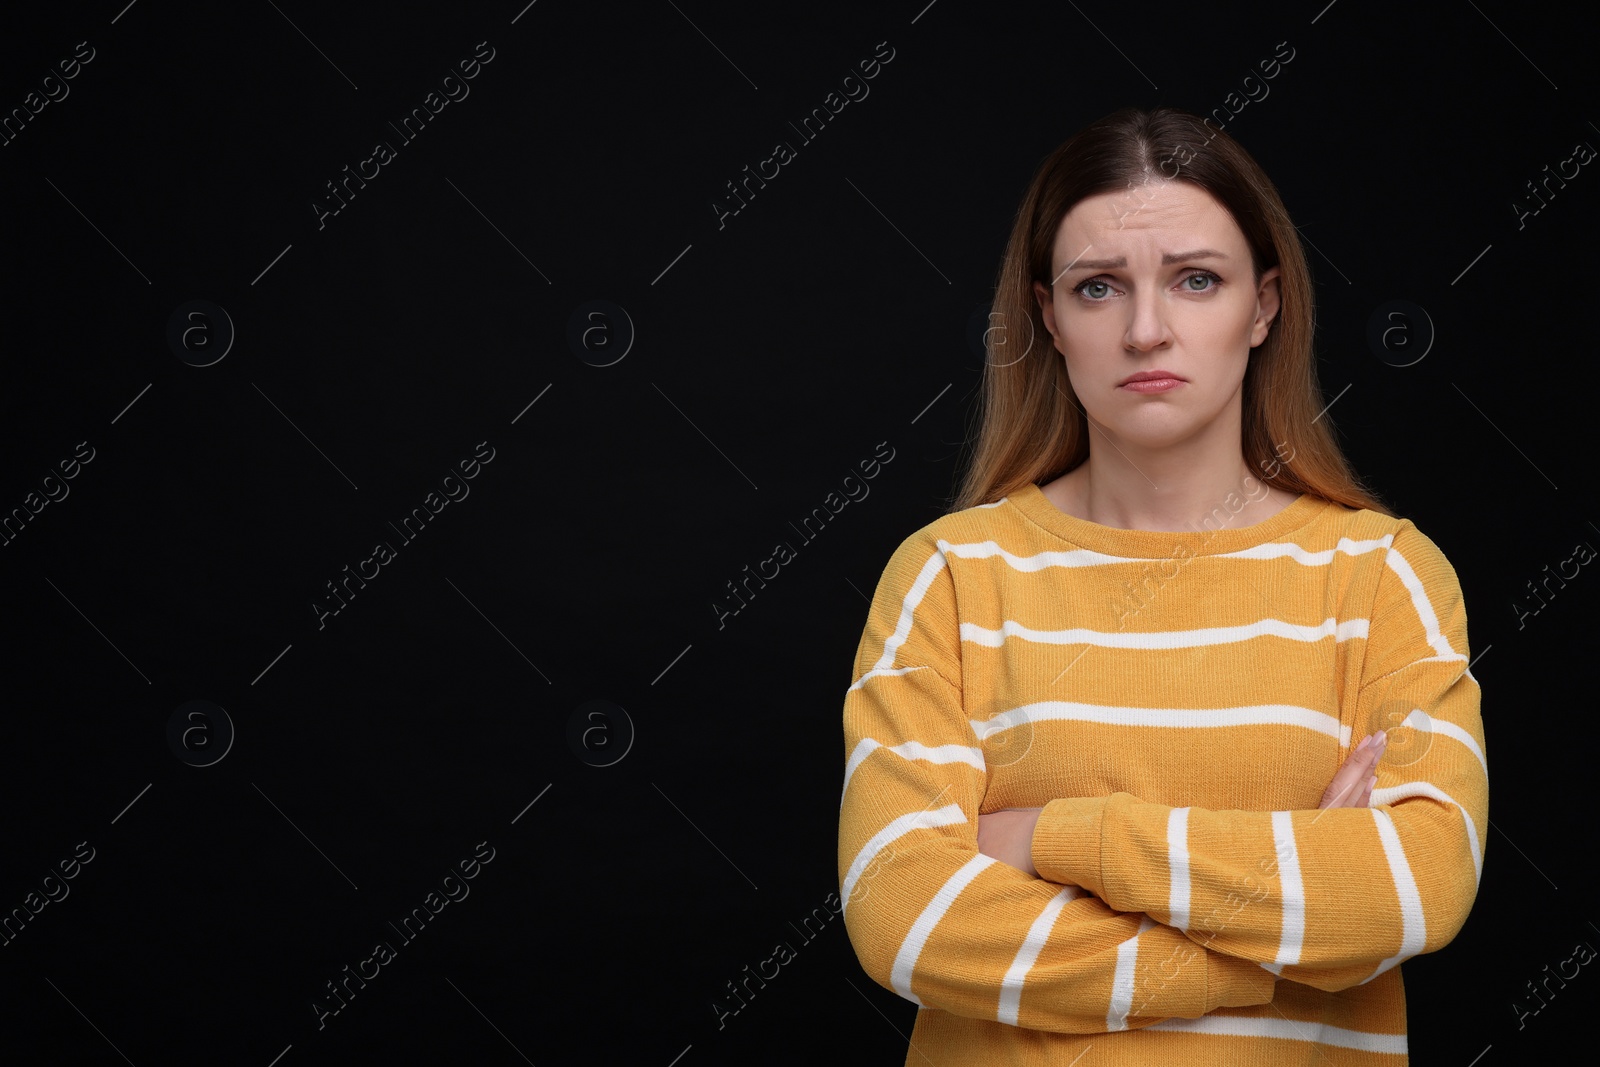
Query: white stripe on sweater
(1164, 639)
(1178, 865)
(1249, 715)
(1290, 550)
(902, 630)
(905, 960)
(1075, 557)
(1390, 794)
(1413, 929)
(949, 815)
(1423, 606)
(1287, 1029)
(911, 750)
(1038, 936)
(1084, 557)
(1421, 720)
(1122, 981)
(1292, 937)
(879, 672)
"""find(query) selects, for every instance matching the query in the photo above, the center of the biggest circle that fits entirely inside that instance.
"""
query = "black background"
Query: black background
(771, 355)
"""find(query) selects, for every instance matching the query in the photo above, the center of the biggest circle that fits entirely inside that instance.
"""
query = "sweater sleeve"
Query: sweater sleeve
(936, 921)
(1330, 898)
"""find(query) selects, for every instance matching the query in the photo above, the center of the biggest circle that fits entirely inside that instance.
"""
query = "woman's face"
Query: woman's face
(1157, 278)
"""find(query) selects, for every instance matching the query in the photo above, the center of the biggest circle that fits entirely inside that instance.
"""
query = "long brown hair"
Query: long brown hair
(1031, 426)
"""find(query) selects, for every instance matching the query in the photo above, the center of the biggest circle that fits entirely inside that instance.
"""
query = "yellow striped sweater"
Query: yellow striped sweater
(1176, 703)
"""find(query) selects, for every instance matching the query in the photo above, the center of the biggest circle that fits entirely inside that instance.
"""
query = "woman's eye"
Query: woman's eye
(1098, 292)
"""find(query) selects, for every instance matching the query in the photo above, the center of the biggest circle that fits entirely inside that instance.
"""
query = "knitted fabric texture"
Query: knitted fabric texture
(1176, 703)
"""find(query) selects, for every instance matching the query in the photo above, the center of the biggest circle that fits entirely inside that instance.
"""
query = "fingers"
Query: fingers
(1350, 795)
(1380, 742)
(1370, 756)
(1338, 793)
(1347, 780)
(1353, 783)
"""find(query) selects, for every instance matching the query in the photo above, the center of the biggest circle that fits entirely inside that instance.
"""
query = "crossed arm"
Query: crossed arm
(1007, 834)
(1076, 916)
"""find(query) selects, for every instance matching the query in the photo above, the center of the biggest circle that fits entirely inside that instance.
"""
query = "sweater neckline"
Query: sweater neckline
(1140, 544)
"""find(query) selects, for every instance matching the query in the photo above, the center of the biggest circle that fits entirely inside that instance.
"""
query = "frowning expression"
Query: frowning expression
(1156, 279)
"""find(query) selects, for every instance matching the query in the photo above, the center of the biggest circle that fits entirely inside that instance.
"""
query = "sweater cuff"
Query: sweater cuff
(1066, 842)
(1235, 983)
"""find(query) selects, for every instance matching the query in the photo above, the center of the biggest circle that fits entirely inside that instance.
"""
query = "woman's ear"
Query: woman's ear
(1268, 303)
(1047, 308)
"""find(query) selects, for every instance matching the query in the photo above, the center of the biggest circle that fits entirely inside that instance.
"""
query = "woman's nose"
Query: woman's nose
(1147, 325)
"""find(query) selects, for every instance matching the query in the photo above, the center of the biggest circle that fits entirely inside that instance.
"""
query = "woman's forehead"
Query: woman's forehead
(1159, 217)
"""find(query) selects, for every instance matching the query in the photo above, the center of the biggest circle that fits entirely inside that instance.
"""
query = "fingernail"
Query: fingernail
(1363, 743)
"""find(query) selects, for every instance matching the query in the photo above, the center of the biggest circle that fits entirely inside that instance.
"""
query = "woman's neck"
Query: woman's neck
(1147, 501)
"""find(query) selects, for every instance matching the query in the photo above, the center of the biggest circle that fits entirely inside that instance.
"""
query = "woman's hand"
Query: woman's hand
(1353, 781)
(1007, 835)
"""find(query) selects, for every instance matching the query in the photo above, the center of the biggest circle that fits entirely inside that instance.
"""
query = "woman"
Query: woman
(1162, 741)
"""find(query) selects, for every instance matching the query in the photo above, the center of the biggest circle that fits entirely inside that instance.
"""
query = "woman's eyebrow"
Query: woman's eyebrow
(1167, 259)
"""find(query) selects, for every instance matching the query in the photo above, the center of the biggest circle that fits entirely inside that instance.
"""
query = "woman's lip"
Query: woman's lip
(1153, 385)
